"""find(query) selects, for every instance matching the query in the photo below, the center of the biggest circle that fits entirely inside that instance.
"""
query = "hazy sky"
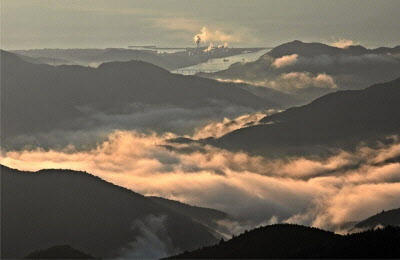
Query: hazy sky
(119, 23)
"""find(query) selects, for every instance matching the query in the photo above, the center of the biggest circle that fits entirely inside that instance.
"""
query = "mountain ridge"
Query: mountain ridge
(383, 218)
(52, 207)
(311, 70)
(287, 241)
(316, 48)
(70, 97)
(331, 120)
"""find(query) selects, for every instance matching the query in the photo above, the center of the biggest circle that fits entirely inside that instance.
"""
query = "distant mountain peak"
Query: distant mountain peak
(383, 218)
(59, 252)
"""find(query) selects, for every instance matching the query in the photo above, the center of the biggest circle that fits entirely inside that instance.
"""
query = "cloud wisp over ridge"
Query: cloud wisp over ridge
(310, 191)
(343, 43)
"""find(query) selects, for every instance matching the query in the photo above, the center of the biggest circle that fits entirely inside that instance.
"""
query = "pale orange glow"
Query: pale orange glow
(285, 61)
(207, 35)
(343, 43)
(320, 192)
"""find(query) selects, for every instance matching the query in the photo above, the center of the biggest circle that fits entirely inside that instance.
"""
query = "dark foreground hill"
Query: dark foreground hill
(63, 207)
(286, 241)
(37, 99)
(59, 252)
(384, 218)
(338, 120)
(205, 216)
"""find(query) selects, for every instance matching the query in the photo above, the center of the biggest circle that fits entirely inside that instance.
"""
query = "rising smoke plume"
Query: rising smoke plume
(208, 36)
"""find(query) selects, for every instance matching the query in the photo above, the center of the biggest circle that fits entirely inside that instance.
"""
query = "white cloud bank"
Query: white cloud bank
(292, 81)
(318, 192)
(285, 61)
(343, 43)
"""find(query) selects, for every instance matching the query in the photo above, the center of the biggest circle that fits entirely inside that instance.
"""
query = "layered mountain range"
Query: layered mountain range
(310, 70)
(63, 207)
(38, 100)
(342, 119)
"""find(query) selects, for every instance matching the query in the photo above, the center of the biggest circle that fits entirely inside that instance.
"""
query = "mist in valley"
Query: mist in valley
(195, 129)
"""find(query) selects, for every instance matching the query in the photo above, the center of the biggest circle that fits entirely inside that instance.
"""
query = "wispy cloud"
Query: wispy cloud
(182, 27)
(320, 192)
(343, 43)
(285, 61)
(177, 24)
(292, 81)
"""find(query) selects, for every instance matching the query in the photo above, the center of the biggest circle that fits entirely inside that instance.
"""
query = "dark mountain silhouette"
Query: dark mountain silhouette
(193, 212)
(94, 57)
(342, 119)
(52, 207)
(285, 241)
(45, 60)
(38, 98)
(59, 252)
(317, 49)
(384, 218)
(355, 67)
(205, 216)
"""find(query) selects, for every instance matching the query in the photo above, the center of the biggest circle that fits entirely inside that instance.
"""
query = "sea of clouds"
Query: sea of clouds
(319, 191)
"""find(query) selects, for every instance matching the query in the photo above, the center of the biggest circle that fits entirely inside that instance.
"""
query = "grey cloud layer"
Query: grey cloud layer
(145, 118)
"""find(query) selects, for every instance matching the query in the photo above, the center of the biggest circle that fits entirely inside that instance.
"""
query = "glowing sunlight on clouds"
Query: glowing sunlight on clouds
(343, 43)
(285, 61)
(320, 192)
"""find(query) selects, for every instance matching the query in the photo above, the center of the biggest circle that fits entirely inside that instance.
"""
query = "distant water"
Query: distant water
(160, 50)
(169, 50)
(219, 64)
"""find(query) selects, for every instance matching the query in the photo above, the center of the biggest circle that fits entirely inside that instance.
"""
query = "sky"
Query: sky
(267, 23)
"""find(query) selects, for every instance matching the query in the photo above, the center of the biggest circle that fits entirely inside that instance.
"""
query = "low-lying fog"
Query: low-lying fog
(322, 192)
